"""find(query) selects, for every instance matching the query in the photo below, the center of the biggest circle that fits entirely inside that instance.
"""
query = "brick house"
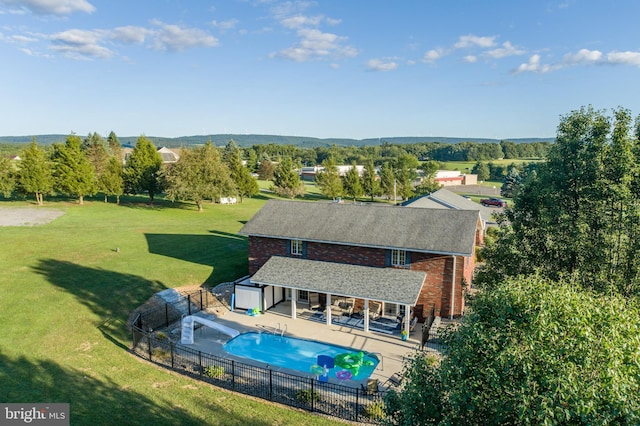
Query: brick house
(401, 258)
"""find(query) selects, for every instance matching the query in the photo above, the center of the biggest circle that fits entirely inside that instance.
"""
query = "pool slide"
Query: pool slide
(190, 320)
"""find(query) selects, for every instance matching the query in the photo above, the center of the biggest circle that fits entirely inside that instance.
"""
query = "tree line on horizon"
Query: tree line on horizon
(84, 167)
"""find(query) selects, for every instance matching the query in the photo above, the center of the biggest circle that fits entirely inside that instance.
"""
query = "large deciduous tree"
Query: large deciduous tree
(73, 173)
(198, 175)
(531, 352)
(579, 213)
(34, 173)
(141, 172)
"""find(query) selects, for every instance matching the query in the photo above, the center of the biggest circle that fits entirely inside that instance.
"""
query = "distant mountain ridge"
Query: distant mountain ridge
(249, 140)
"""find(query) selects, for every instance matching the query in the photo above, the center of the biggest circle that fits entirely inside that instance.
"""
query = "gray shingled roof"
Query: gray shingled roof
(384, 284)
(444, 198)
(405, 228)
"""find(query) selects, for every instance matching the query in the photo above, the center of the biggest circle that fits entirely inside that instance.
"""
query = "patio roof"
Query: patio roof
(389, 285)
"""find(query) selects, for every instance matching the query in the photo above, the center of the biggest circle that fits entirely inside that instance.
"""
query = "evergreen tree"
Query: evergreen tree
(7, 177)
(511, 183)
(114, 147)
(111, 181)
(388, 181)
(286, 181)
(328, 180)
(34, 174)
(74, 175)
(245, 184)
(97, 153)
(370, 184)
(141, 172)
(351, 182)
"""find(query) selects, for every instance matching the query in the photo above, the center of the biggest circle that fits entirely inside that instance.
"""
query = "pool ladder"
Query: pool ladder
(278, 330)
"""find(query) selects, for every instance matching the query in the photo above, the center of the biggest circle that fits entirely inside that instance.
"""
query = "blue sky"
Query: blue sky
(346, 69)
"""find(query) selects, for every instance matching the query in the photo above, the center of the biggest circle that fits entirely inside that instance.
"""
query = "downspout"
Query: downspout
(453, 287)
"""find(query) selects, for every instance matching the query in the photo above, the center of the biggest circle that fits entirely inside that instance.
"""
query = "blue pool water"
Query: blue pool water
(293, 353)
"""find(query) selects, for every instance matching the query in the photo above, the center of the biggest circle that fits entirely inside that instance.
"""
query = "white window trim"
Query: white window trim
(399, 258)
(296, 247)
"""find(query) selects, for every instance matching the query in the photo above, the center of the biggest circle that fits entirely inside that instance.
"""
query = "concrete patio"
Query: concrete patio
(391, 349)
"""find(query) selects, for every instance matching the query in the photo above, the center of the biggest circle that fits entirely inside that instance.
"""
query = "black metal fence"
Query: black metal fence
(168, 313)
(304, 392)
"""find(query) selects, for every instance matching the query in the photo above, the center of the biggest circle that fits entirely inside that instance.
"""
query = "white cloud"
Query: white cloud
(624, 58)
(534, 65)
(470, 58)
(300, 21)
(20, 39)
(52, 7)
(474, 41)
(380, 65)
(584, 56)
(229, 24)
(315, 44)
(130, 34)
(433, 55)
(176, 38)
(80, 44)
(507, 49)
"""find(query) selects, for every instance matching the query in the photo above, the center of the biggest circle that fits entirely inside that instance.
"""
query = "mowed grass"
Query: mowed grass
(66, 292)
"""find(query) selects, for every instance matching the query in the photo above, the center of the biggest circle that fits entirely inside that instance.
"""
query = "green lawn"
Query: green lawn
(62, 281)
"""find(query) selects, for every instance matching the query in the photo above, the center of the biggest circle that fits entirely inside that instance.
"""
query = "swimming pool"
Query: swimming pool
(298, 354)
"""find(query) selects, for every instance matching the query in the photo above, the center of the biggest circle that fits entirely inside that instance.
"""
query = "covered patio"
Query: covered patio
(365, 287)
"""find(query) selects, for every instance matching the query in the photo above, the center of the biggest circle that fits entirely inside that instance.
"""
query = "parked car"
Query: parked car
(493, 202)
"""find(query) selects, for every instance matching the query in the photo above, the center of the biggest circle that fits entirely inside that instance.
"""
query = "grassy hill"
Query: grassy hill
(66, 295)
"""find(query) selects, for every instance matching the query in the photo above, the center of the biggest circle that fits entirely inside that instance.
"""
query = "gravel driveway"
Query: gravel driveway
(27, 216)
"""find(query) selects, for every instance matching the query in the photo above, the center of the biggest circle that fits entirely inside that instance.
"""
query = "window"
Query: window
(296, 247)
(303, 296)
(398, 258)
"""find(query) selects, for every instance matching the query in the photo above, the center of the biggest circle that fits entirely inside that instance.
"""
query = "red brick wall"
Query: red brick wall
(364, 256)
(435, 292)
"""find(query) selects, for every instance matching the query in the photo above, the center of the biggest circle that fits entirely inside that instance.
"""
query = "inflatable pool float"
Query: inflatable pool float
(344, 375)
(253, 312)
(317, 370)
(352, 361)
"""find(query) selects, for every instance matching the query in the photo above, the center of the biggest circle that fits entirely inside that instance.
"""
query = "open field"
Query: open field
(68, 287)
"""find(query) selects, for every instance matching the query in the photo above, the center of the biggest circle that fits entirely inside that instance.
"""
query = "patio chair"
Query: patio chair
(371, 388)
(375, 309)
(393, 381)
(413, 323)
(314, 301)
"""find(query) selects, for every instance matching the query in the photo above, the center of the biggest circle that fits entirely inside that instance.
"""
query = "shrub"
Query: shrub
(307, 396)
(375, 411)
(160, 353)
(214, 371)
